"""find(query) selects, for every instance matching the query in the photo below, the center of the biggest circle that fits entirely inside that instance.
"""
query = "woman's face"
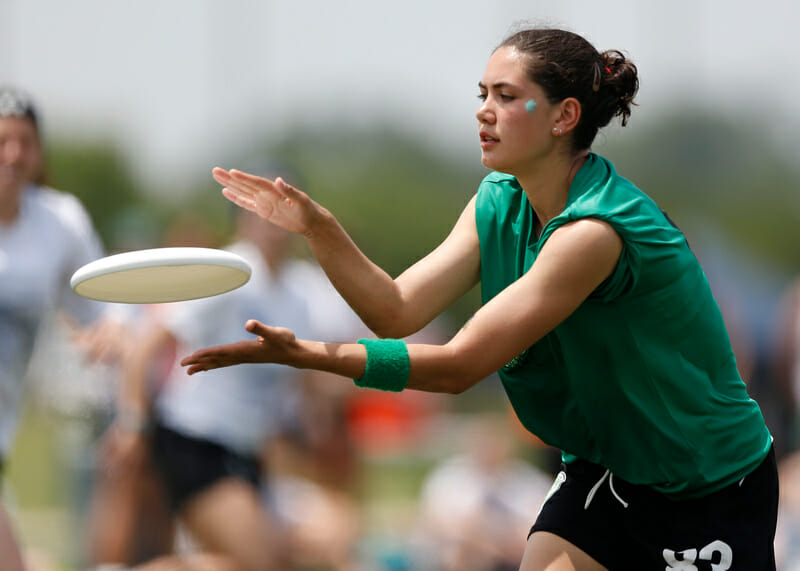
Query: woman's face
(513, 131)
(20, 154)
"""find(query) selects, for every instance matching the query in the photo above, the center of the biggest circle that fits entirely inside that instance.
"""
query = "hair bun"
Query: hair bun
(623, 80)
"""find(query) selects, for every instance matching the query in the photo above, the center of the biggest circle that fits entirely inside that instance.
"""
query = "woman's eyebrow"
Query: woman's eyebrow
(498, 85)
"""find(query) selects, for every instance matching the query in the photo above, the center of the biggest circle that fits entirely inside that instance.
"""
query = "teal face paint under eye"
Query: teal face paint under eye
(530, 106)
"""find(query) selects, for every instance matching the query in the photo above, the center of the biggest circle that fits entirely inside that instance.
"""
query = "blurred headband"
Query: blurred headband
(15, 103)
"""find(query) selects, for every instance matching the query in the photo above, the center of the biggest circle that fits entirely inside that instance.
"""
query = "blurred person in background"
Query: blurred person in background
(206, 437)
(786, 374)
(45, 235)
(210, 438)
(475, 506)
(596, 315)
(787, 534)
(128, 518)
(785, 366)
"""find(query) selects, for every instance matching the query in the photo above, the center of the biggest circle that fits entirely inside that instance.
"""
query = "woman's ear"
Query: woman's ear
(570, 114)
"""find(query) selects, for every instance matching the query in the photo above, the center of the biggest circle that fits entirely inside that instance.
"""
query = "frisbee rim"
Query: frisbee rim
(161, 258)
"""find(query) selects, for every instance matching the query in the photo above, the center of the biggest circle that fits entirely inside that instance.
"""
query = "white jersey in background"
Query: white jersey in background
(237, 407)
(51, 238)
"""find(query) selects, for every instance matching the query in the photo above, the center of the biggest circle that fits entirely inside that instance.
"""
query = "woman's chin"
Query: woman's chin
(494, 165)
(488, 161)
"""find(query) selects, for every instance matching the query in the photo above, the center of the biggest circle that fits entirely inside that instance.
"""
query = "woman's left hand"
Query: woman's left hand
(273, 345)
(273, 200)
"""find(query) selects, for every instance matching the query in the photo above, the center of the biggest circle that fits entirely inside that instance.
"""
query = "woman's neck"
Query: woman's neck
(547, 185)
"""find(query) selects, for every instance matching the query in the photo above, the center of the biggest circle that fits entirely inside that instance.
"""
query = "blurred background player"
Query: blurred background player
(128, 519)
(211, 439)
(475, 505)
(45, 235)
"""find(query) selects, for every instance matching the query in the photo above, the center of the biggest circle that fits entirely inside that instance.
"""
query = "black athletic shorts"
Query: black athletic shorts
(628, 527)
(191, 465)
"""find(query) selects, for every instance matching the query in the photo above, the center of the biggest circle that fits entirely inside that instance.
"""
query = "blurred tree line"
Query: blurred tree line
(399, 197)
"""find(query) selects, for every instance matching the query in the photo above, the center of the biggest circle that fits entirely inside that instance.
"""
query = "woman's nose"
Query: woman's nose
(484, 114)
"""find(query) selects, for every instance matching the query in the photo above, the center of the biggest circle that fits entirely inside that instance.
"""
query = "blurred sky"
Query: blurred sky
(181, 83)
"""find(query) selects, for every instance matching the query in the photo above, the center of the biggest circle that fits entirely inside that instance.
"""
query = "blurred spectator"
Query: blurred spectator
(128, 518)
(206, 433)
(315, 463)
(786, 364)
(45, 235)
(476, 507)
(787, 534)
(217, 439)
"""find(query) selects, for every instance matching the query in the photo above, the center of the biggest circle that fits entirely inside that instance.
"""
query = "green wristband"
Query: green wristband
(388, 366)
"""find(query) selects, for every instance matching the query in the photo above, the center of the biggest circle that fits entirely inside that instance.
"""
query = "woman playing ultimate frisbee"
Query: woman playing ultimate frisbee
(595, 313)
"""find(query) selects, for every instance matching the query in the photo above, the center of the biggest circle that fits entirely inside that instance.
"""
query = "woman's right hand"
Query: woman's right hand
(273, 200)
(273, 345)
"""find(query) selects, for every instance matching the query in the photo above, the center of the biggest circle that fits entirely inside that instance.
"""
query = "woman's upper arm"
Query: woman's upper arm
(435, 282)
(576, 259)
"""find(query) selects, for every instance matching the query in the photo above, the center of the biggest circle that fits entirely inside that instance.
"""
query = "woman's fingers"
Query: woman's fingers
(257, 328)
(249, 351)
(244, 201)
(251, 183)
(286, 189)
(212, 358)
(257, 184)
(254, 193)
(269, 346)
(237, 186)
(192, 369)
(220, 175)
(249, 186)
(201, 360)
(239, 199)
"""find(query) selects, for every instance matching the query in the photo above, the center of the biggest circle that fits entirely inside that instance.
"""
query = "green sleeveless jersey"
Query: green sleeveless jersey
(641, 378)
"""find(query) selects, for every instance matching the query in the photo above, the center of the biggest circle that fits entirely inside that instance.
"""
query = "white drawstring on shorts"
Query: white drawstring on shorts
(593, 491)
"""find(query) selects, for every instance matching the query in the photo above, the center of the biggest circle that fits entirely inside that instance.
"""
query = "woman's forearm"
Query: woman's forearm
(433, 368)
(368, 289)
(449, 368)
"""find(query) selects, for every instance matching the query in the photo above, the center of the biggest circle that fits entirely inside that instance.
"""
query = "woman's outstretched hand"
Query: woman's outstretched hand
(273, 200)
(273, 345)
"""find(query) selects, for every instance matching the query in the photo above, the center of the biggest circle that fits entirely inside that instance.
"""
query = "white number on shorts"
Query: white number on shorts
(725, 555)
(681, 560)
(685, 560)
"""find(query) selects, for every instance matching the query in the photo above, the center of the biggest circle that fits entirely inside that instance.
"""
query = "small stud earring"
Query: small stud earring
(556, 131)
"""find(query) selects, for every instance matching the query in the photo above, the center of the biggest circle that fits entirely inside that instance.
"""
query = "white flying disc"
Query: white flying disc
(161, 275)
